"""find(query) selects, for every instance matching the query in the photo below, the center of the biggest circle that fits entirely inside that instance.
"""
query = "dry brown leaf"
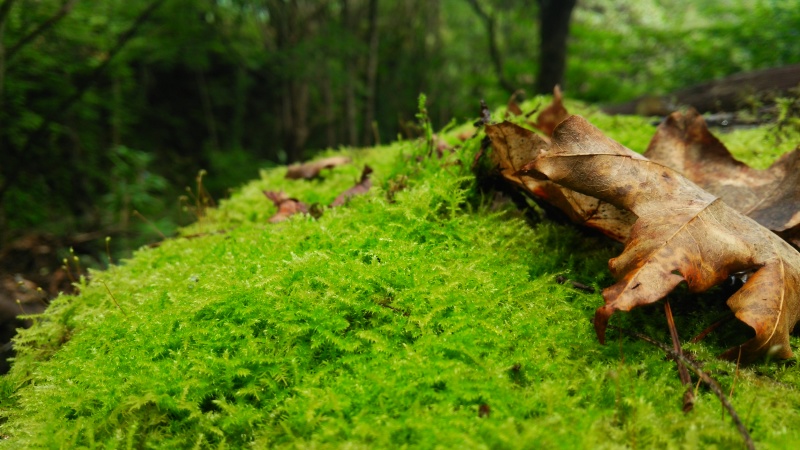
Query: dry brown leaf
(286, 206)
(512, 108)
(514, 146)
(771, 197)
(553, 114)
(683, 234)
(362, 187)
(311, 169)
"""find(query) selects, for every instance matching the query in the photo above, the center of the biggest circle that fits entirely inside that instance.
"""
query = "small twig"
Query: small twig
(113, 298)
(712, 384)
(387, 305)
(147, 221)
(686, 380)
(561, 280)
(711, 328)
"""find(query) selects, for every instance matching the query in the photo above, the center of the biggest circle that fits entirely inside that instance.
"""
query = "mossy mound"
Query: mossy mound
(433, 319)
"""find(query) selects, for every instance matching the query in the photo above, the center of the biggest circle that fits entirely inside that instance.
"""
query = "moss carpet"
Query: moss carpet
(428, 318)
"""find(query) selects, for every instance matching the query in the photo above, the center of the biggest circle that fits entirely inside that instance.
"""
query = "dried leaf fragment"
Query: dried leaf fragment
(286, 206)
(771, 197)
(683, 234)
(553, 114)
(311, 169)
(514, 147)
(362, 187)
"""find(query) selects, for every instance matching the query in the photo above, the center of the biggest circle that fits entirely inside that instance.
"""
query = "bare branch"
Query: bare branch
(712, 383)
(65, 9)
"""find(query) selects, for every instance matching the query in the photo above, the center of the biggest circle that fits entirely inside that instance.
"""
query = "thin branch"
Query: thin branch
(711, 328)
(114, 298)
(712, 383)
(494, 49)
(65, 9)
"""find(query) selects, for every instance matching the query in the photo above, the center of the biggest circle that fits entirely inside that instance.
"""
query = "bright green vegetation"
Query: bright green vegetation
(380, 325)
(233, 85)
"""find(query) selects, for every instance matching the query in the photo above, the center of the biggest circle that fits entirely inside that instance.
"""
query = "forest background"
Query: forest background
(113, 106)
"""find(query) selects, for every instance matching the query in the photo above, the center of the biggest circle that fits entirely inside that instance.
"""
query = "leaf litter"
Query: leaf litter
(687, 212)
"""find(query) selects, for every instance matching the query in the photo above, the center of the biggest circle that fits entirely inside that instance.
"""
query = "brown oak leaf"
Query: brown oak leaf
(682, 234)
(286, 206)
(771, 197)
(311, 169)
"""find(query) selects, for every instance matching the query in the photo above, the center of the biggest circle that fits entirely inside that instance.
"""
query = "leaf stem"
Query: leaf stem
(686, 380)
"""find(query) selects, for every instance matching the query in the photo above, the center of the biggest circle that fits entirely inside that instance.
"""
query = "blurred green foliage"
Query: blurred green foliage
(233, 85)
(620, 50)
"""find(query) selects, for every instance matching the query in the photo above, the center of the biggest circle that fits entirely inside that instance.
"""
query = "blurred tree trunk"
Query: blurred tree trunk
(329, 111)
(494, 49)
(372, 74)
(208, 110)
(5, 8)
(239, 108)
(351, 72)
(295, 119)
(554, 17)
(291, 29)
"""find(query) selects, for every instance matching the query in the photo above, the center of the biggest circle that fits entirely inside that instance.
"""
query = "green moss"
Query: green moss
(380, 325)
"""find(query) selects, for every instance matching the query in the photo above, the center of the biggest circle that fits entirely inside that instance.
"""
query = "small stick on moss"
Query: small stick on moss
(19, 303)
(577, 285)
(152, 225)
(113, 298)
(686, 380)
(711, 382)
(711, 328)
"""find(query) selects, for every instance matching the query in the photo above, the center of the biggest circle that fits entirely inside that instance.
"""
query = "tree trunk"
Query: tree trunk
(5, 9)
(351, 71)
(554, 17)
(372, 73)
(295, 120)
(329, 111)
(494, 49)
(239, 109)
(208, 111)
